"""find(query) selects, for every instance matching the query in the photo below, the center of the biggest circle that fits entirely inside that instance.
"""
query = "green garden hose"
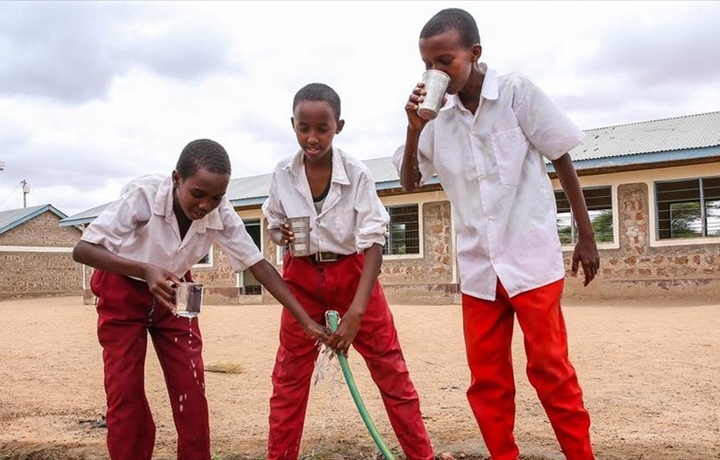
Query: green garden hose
(332, 318)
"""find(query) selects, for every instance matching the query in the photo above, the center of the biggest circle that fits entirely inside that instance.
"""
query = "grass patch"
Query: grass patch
(224, 368)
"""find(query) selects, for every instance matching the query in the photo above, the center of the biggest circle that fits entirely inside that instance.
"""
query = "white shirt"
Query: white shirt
(352, 217)
(142, 226)
(491, 165)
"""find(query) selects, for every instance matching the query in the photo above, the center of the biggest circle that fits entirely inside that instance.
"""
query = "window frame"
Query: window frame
(210, 259)
(420, 232)
(702, 200)
(612, 244)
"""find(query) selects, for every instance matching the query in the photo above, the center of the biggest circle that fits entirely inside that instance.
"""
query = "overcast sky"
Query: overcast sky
(93, 94)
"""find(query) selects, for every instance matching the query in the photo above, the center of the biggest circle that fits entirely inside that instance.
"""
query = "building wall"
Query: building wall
(639, 265)
(635, 265)
(36, 259)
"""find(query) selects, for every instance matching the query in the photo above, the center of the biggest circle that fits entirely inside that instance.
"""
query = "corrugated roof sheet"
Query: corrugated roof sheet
(691, 136)
(14, 217)
(680, 133)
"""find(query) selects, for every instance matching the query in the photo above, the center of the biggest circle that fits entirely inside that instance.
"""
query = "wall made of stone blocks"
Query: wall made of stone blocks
(429, 279)
(38, 274)
(33, 272)
(639, 271)
(43, 230)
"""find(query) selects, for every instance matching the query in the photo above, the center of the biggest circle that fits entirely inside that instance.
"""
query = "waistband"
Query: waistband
(325, 256)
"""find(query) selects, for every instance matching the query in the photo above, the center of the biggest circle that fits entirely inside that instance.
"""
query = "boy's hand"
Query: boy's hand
(317, 332)
(347, 329)
(287, 235)
(415, 121)
(586, 253)
(162, 285)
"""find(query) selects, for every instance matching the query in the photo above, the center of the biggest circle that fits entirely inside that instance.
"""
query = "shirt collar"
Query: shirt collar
(339, 174)
(489, 90)
(163, 206)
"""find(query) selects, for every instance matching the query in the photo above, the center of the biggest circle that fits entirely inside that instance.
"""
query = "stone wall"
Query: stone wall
(430, 279)
(634, 270)
(35, 272)
(638, 270)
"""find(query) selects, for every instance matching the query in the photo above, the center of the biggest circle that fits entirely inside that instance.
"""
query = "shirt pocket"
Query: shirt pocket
(510, 148)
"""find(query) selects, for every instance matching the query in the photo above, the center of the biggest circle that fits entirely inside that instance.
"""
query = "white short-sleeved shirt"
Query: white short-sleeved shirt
(492, 167)
(352, 217)
(142, 226)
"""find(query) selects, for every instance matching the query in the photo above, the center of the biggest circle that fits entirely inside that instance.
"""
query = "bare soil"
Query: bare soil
(650, 374)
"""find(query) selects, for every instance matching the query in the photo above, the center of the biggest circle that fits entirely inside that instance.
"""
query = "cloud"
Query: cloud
(95, 93)
(76, 59)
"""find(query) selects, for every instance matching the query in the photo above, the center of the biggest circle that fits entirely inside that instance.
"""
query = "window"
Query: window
(403, 231)
(688, 208)
(251, 286)
(599, 204)
(206, 261)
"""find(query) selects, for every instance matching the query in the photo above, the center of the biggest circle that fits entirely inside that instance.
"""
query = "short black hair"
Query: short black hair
(453, 18)
(203, 153)
(318, 92)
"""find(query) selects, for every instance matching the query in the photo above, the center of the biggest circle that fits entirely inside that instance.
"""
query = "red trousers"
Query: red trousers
(488, 329)
(126, 314)
(331, 286)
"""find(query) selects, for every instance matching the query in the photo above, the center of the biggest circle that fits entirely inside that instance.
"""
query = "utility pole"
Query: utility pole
(2, 165)
(26, 191)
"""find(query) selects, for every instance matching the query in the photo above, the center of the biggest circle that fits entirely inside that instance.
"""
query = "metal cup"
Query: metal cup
(188, 299)
(300, 227)
(436, 83)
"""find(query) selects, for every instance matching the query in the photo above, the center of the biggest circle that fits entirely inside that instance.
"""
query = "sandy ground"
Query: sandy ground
(650, 374)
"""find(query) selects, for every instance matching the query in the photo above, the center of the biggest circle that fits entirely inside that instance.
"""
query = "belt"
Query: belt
(325, 256)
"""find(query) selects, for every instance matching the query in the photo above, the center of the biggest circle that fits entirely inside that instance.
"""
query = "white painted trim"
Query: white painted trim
(48, 249)
(211, 259)
(615, 244)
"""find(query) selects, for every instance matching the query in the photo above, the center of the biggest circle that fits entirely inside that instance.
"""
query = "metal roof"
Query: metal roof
(648, 142)
(666, 135)
(84, 217)
(15, 217)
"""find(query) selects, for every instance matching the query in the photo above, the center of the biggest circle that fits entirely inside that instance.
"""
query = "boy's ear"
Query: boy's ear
(340, 125)
(175, 178)
(292, 123)
(476, 52)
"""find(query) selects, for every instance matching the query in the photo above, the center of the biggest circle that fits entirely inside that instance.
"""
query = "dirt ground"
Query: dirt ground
(650, 374)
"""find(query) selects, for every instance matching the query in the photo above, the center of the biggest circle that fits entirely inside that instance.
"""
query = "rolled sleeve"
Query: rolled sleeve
(119, 219)
(236, 242)
(425, 152)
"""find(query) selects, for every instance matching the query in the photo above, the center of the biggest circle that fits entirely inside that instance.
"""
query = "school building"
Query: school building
(652, 190)
(36, 254)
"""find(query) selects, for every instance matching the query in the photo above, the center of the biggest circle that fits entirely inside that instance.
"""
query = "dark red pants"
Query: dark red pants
(331, 286)
(126, 314)
(488, 328)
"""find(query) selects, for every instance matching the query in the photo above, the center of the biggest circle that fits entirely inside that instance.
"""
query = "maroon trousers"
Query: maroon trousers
(331, 286)
(126, 314)
(488, 328)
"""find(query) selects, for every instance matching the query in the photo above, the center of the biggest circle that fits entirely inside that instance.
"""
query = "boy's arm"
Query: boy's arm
(159, 280)
(410, 171)
(350, 324)
(266, 274)
(586, 252)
